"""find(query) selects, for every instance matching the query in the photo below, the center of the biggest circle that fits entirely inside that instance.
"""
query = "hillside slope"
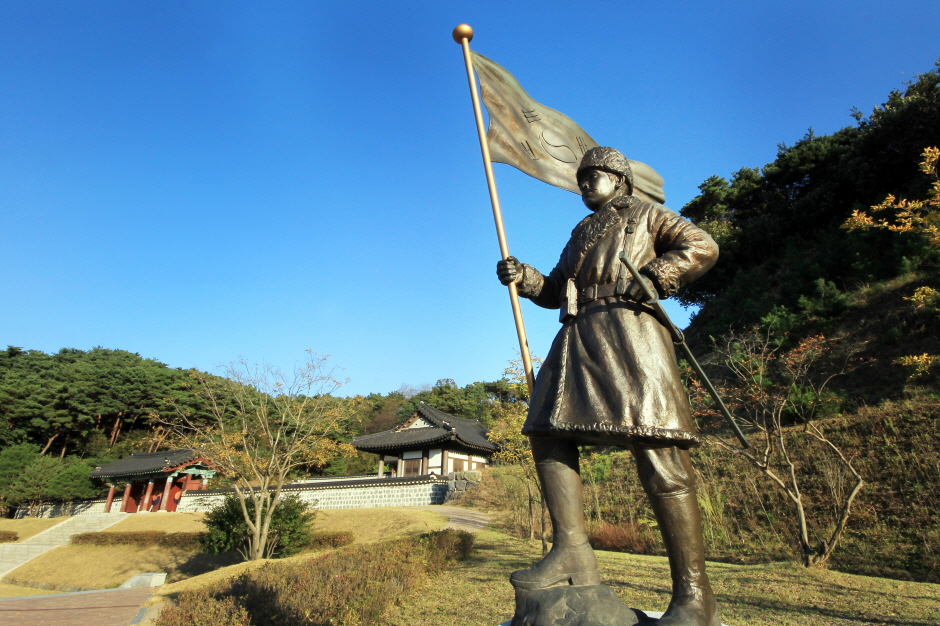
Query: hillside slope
(779, 227)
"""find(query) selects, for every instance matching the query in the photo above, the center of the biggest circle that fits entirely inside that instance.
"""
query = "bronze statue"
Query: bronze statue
(611, 378)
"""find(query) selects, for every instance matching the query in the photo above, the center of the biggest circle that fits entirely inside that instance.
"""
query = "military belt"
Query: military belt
(593, 292)
(575, 297)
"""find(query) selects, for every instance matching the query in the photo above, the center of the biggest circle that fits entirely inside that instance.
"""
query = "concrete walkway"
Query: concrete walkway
(458, 518)
(12, 555)
(113, 607)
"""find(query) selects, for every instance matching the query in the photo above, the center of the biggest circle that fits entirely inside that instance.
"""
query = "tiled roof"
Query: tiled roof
(146, 463)
(445, 427)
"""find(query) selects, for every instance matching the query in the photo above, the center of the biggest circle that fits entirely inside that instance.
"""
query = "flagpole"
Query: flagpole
(463, 34)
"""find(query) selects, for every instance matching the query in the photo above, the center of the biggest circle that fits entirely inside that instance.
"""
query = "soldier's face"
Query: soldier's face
(597, 188)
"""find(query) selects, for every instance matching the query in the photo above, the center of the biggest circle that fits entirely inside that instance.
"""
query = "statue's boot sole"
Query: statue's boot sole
(577, 579)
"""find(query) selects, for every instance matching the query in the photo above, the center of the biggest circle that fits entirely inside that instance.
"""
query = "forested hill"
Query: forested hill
(94, 403)
(102, 404)
(779, 227)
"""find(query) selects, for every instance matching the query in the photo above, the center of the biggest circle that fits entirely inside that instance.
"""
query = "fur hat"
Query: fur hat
(608, 160)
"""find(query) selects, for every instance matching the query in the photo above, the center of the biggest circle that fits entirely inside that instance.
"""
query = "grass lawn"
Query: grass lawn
(29, 526)
(167, 522)
(379, 524)
(367, 525)
(16, 591)
(477, 591)
(104, 567)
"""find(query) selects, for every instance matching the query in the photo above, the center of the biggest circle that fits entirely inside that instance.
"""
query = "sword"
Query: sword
(679, 339)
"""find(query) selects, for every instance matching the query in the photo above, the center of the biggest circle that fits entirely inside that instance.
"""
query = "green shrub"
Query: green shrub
(187, 541)
(7, 536)
(322, 540)
(830, 301)
(449, 545)
(346, 587)
(227, 530)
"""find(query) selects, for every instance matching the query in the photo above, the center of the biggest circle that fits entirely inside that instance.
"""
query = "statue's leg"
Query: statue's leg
(669, 480)
(571, 560)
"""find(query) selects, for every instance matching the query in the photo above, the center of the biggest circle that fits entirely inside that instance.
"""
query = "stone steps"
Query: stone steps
(12, 555)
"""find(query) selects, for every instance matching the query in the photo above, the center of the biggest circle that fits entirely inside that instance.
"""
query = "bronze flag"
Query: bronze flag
(540, 141)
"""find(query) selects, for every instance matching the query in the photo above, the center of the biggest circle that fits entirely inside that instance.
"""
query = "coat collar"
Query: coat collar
(590, 230)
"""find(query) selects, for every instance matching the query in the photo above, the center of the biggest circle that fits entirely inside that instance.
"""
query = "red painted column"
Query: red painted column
(107, 505)
(145, 503)
(166, 492)
(127, 497)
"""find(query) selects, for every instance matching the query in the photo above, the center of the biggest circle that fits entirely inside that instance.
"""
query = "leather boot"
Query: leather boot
(680, 521)
(571, 560)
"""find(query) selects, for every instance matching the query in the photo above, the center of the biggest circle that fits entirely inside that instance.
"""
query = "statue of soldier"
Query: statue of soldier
(611, 378)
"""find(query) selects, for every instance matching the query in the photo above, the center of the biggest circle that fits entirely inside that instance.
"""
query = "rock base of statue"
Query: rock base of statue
(592, 605)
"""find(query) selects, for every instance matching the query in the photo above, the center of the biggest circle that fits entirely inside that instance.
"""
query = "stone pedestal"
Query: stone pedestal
(593, 616)
(594, 605)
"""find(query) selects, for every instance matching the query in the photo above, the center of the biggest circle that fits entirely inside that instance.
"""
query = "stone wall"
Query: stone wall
(458, 483)
(76, 507)
(340, 497)
(342, 493)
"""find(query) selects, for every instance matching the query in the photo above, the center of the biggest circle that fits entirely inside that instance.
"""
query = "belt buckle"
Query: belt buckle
(589, 294)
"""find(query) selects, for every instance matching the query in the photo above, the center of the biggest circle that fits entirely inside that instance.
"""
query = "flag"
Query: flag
(540, 141)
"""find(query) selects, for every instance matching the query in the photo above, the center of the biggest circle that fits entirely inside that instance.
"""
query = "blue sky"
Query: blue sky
(203, 181)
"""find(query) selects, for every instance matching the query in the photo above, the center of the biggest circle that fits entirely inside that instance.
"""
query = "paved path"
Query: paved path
(12, 555)
(113, 607)
(458, 518)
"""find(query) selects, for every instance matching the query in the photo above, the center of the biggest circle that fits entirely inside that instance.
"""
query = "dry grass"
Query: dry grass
(104, 567)
(350, 586)
(776, 594)
(16, 591)
(209, 579)
(379, 524)
(30, 526)
(166, 522)
(367, 526)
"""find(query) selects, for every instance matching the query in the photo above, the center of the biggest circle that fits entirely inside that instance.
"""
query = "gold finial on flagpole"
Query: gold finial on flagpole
(463, 31)
(462, 35)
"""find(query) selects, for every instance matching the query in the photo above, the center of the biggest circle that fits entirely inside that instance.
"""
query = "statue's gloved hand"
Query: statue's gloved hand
(635, 292)
(509, 271)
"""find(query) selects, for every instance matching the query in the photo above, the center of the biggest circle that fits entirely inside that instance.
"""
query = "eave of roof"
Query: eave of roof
(466, 432)
(144, 463)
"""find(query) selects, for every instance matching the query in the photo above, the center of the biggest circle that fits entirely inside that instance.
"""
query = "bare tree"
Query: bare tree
(778, 397)
(265, 426)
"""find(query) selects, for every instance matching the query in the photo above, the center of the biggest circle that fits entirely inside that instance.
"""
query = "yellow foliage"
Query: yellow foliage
(922, 364)
(926, 299)
(514, 447)
(909, 216)
(912, 216)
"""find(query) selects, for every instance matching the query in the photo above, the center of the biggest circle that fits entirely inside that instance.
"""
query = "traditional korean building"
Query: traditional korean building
(430, 442)
(155, 480)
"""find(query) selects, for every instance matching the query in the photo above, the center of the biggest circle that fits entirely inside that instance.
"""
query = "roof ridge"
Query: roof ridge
(162, 452)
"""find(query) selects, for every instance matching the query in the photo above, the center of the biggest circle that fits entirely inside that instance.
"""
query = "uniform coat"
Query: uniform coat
(611, 375)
